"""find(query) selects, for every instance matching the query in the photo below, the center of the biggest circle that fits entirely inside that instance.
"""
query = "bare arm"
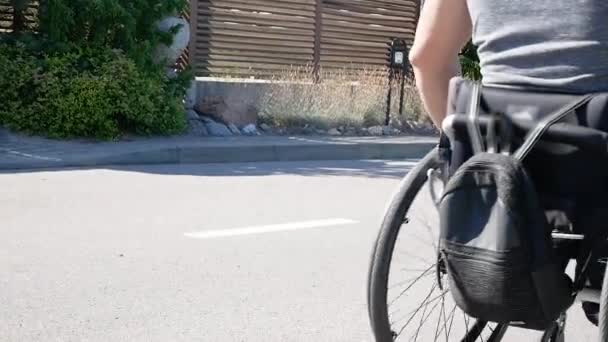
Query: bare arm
(443, 30)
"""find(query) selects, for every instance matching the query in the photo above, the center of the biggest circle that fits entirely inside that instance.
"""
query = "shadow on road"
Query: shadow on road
(369, 168)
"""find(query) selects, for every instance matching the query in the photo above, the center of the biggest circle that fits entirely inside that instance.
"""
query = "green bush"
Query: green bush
(90, 71)
(469, 62)
(88, 93)
(128, 25)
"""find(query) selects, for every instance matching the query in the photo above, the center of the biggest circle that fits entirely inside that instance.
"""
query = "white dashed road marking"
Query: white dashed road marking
(270, 228)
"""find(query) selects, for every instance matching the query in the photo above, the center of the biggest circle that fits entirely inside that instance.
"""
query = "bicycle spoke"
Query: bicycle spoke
(418, 309)
(422, 319)
(417, 257)
(430, 231)
(452, 319)
(422, 240)
(427, 316)
(410, 286)
(429, 302)
(410, 279)
(416, 269)
(437, 331)
(445, 323)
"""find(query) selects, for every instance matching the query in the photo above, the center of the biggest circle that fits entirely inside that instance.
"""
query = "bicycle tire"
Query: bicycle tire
(603, 316)
(385, 243)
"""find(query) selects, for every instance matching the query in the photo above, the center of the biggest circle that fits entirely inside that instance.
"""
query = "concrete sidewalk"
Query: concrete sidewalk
(19, 152)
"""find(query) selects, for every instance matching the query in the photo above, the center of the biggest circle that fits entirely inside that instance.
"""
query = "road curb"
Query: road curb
(236, 154)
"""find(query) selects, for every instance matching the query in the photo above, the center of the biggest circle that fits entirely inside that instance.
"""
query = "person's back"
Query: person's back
(559, 45)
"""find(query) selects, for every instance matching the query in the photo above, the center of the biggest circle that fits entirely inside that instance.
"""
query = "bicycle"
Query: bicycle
(434, 317)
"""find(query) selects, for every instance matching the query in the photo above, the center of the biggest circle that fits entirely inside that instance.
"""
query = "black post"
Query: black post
(397, 63)
(402, 91)
(387, 120)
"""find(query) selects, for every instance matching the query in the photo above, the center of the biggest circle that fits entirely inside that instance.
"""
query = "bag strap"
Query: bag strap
(535, 134)
(472, 119)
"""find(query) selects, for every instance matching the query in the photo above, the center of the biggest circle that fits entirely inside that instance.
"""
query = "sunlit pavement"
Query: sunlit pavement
(233, 252)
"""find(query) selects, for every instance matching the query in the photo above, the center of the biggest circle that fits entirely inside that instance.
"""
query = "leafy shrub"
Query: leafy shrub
(90, 71)
(87, 93)
(469, 62)
(128, 25)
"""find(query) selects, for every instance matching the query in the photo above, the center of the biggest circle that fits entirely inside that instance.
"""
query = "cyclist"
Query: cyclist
(559, 45)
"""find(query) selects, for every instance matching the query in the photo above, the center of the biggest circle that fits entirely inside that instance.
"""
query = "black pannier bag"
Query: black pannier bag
(495, 239)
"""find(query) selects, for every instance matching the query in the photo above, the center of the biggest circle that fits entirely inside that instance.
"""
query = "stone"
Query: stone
(334, 132)
(171, 73)
(395, 131)
(218, 129)
(350, 131)
(320, 132)
(197, 128)
(307, 130)
(180, 40)
(192, 115)
(235, 130)
(430, 127)
(386, 130)
(206, 119)
(264, 127)
(376, 130)
(190, 98)
(230, 109)
(250, 130)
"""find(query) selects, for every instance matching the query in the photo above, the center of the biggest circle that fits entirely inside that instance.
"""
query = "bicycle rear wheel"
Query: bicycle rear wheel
(408, 298)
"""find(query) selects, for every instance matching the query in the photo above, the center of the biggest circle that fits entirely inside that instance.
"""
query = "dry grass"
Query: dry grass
(343, 98)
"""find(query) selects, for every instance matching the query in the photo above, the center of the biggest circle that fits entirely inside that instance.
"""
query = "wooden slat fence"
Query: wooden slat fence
(7, 16)
(259, 38)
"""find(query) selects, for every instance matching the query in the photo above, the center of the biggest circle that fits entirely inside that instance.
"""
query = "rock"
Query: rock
(180, 40)
(308, 130)
(264, 127)
(376, 130)
(430, 127)
(250, 130)
(350, 131)
(320, 132)
(235, 130)
(228, 109)
(386, 130)
(197, 128)
(171, 73)
(206, 119)
(217, 129)
(190, 98)
(334, 132)
(395, 131)
(192, 115)
(414, 124)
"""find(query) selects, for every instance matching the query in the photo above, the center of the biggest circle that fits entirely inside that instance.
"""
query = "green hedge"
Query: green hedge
(89, 93)
(469, 62)
(90, 71)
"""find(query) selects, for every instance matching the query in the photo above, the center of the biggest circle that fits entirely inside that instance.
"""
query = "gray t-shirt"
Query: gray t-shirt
(557, 44)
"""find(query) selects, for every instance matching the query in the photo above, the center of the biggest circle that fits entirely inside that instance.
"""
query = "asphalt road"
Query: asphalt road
(233, 252)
